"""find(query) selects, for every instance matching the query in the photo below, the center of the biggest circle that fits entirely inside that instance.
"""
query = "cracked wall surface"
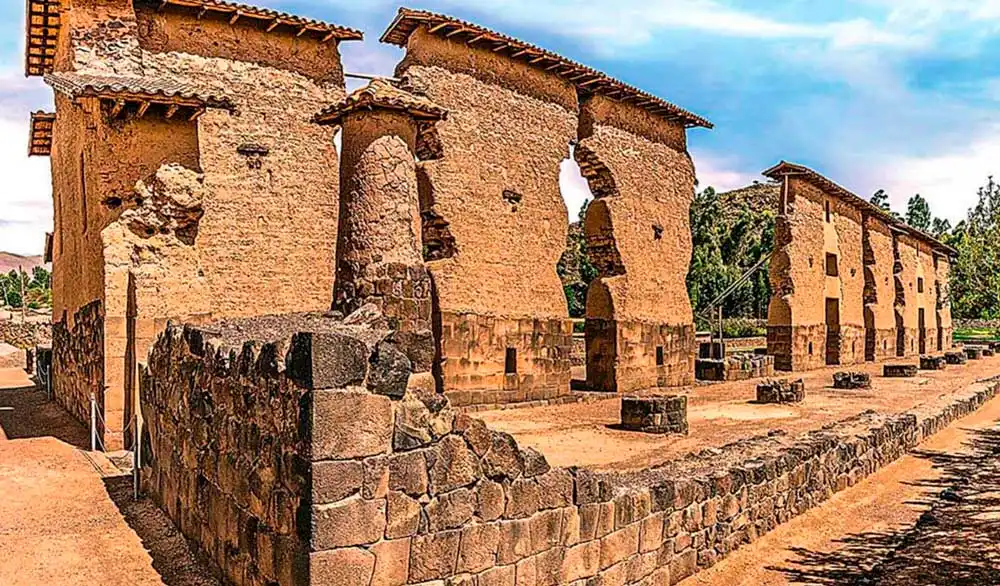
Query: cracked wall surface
(269, 218)
(499, 222)
(639, 239)
(880, 294)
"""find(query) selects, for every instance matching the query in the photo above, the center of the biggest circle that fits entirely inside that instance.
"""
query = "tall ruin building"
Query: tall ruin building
(494, 222)
(188, 178)
(849, 282)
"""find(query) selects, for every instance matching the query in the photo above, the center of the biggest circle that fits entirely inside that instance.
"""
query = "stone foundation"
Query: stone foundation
(634, 356)
(899, 370)
(973, 352)
(25, 335)
(78, 371)
(955, 357)
(328, 482)
(734, 367)
(655, 414)
(781, 391)
(488, 360)
(852, 380)
(932, 363)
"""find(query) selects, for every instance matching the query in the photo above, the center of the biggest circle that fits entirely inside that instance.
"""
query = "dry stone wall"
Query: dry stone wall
(495, 219)
(25, 335)
(78, 370)
(365, 487)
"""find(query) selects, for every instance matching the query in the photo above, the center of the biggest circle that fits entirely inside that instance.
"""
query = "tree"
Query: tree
(918, 213)
(940, 229)
(575, 269)
(975, 275)
(881, 199)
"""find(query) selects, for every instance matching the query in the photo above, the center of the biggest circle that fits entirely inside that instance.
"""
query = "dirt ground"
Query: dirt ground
(67, 516)
(584, 434)
(930, 518)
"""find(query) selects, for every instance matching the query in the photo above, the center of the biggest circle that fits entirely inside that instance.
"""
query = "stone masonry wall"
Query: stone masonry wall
(907, 248)
(489, 183)
(25, 335)
(78, 368)
(401, 490)
(639, 318)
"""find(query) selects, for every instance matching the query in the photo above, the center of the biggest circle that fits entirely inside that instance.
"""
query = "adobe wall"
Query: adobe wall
(907, 277)
(379, 257)
(797, 330)
(926, 299)
(943, 314)
(640, 326)
(490, 183)
(386, 490)
(880, 293)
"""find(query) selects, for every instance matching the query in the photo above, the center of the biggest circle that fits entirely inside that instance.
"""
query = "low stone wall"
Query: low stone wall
(25, 335)
(78, 363)
(734, 367)
(390, 489)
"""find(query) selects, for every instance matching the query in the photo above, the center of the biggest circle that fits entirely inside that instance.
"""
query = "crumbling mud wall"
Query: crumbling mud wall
(640, 326)
(942, 270)
(78, 367)
(906, 303)
(490, 186)
(846, 221)
(334, 480)
(796, 316)
(926, 299)
(879, 292)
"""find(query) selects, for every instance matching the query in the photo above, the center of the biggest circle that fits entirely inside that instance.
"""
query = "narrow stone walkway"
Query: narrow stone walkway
(901, 525)
(66, 515)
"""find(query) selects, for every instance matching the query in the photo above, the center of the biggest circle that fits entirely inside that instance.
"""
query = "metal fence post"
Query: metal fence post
(93, 423)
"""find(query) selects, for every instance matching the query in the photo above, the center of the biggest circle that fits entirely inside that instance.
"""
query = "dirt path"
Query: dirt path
(859, 528)
(66, 515)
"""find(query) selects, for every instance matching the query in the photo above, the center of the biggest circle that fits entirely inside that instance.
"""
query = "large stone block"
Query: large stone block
(353, 521)
(655, 414)
(351, 566)
(350, 424)
(327, 361)
(781, 391)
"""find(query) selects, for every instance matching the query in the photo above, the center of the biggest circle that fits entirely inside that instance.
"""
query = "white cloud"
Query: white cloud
(25, 195)
(948, 181)
(573, 186)
(721, 172)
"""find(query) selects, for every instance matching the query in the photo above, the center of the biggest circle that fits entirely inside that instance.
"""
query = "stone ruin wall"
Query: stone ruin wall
(849, 285)
(78, 371)
(943, 276)
(796, 315)
(25, 335)
(229, 269)
(927, 299)
(350, 487)
(490, 186)
(907, 255)
(878, 260)
(639, 239)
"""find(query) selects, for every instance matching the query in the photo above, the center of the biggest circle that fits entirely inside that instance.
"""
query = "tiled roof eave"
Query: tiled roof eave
(236, 11)
(585, 78)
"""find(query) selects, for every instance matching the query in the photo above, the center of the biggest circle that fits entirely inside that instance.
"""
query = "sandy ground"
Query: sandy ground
(66, 515)
(840, 541)
(584, 434)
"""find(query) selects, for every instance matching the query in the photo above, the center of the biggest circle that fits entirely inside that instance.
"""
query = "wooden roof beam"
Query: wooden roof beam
(438, 27)
(500, 47)
(143, 106)
(171, 110)
(455, 32)
(236, 16)
(117, 108)
(274, 24)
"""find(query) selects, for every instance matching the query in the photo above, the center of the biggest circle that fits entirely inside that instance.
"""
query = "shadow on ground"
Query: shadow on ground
(26, 412)
(955, 542)
(173, 556)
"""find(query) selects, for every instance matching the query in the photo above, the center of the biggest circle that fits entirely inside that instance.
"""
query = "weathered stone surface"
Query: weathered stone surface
(389, 371)
(452, 465)
(408, 473)
(932, 362)
(335, 481)
(955, 357)
(781, 391)
(434, 556)
(328, 361)
(450, 510)
(899, 370)
(852, 380)
(353, 521)
(478, 548)
(655, 414)
(392, 563)
(351, 424)
(403, 515)
(351, 566)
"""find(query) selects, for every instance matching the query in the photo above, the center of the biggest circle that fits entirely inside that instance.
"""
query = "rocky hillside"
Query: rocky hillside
(10, 261)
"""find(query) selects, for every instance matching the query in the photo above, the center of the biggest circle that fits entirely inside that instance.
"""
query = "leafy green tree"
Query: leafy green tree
(918, 213)
(575, 269)
(940, 229)
(881, 199)
(975, 276)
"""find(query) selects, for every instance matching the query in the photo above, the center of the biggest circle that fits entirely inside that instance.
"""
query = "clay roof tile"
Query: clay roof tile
(77, 85)
(584, 78)
(381, 93)
(236, 11)
(785, 168)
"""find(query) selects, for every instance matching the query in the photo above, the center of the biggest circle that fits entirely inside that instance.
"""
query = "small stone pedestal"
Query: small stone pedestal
(781, 391)
(988, 351)
(663, 414)
(955, 357)
(932, 363)
(852, 380)
(973, 352)
(899, 370)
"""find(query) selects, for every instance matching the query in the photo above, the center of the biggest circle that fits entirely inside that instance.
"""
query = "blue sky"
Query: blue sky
(898, 95)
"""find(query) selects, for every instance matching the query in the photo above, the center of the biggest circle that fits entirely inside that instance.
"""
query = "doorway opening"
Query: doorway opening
(832, 331)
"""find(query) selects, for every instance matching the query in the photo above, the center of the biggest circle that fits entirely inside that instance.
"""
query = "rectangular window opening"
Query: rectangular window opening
(828, 210)
(659, 355)
(510, 361)
(920, 285)
(831, 265)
